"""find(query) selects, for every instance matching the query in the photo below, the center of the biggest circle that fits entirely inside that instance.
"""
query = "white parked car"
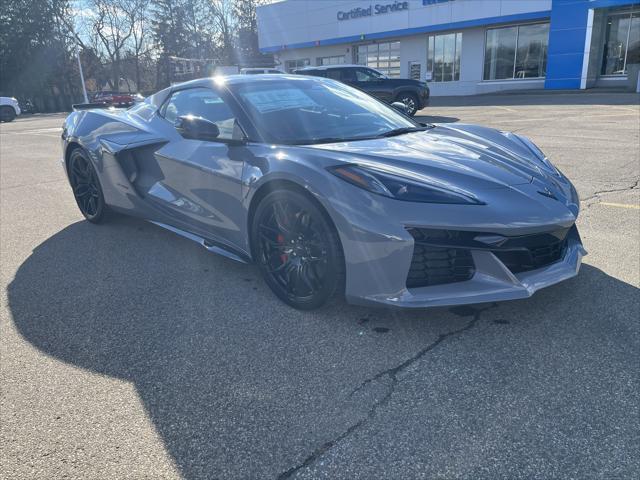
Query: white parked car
(9, 109)
(257, 71)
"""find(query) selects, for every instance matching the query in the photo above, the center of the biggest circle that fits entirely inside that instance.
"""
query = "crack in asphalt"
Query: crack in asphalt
(392, 373)
(597, 194)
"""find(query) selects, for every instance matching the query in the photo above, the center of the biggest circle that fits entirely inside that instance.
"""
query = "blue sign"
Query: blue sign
(433, 2)
(377, 9)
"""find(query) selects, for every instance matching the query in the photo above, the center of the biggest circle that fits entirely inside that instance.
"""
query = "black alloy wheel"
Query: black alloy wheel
(86, 187)
(297, 249)
(410, 101)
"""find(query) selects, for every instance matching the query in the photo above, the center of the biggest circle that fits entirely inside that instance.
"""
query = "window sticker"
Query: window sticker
(281, 99)
(212, 100)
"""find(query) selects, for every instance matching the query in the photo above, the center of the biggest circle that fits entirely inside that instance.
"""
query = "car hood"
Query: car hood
(469, 156)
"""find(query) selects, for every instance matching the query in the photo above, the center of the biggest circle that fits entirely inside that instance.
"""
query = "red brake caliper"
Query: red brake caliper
(284, 257)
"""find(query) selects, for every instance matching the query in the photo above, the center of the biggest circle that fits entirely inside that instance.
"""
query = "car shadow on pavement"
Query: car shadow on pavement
(237, 384)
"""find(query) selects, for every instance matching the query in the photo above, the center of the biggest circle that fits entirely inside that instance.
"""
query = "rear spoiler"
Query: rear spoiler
(89, 106)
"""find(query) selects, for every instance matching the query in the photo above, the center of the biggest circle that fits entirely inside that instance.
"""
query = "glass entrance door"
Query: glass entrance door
(622, 43)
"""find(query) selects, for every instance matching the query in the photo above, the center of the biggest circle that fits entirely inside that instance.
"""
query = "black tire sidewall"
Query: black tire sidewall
(10, 114)
(333, 281)
(102, 208)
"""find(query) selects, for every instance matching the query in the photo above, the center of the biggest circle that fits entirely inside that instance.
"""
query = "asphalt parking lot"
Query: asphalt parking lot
(128, 352)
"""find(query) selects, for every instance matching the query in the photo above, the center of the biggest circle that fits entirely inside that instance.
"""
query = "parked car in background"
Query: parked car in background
(9, 109)
(413, 93)
(115, 99)
(26, 105)
(257, 71)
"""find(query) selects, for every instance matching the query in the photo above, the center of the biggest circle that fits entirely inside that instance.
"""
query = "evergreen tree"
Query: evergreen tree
(248, 51)
(36, 54)
(170, 35)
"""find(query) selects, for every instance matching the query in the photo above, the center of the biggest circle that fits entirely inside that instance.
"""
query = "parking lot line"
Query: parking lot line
(621, 205)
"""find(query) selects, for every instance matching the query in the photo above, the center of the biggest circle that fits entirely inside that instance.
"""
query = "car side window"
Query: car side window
(347, 74)
(205, 103)
(365, 75)
(334, 73)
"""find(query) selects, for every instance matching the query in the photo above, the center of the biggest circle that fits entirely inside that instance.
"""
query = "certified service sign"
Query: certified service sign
(377, 9)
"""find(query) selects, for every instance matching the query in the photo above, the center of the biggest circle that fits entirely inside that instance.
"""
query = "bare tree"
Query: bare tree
(138, 17)
(113, 26)
(224, 23)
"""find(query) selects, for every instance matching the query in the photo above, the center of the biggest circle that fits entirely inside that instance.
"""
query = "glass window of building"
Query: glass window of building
(443, 57)
(516, 52)
(384, 57)
(622, 43)
(291, 65)
(335, 60)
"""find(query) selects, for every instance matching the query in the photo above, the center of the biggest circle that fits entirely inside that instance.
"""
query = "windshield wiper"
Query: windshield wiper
(390, 133)
(318, 140)
(401, 131)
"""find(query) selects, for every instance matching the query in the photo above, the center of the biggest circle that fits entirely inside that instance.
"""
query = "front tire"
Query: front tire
(297, 250)
(86, 187)
(411, 102)
(7, 114)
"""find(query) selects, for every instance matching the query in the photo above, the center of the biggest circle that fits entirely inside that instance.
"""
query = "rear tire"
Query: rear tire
(7, 114)
(411, 102)
(86, 187)
(297, 249)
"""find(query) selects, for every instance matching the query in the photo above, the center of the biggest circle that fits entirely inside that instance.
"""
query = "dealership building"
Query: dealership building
(462, 47)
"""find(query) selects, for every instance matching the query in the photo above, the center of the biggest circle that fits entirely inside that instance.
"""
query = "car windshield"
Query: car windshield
(309, 110)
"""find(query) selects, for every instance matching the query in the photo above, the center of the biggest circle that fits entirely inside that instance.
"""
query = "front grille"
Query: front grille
(444, 256)
(436, 266)
(533, 257)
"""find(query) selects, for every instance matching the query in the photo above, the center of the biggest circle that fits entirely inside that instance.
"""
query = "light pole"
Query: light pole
(84, 88)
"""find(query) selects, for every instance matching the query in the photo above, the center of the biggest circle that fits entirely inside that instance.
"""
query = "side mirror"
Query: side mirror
(401, 107)
(197, 128)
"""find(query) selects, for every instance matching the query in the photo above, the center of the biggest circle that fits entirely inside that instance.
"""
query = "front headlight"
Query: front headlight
(400, 188)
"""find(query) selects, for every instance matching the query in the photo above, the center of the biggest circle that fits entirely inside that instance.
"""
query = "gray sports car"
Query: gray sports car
(331, 192)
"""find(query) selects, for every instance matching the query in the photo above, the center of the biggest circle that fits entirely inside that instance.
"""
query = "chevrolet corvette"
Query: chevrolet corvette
(331, 192)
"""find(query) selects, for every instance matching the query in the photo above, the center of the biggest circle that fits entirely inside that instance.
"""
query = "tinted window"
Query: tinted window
(531, 55)
(622, 43)
(366, 75)
(348, 74)
(315, 73)
(516, 52)
(205, 103)
(309, 110)
(443, 57)
(335, 73)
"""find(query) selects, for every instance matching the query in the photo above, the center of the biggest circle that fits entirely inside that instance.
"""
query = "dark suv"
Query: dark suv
(414, 94)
